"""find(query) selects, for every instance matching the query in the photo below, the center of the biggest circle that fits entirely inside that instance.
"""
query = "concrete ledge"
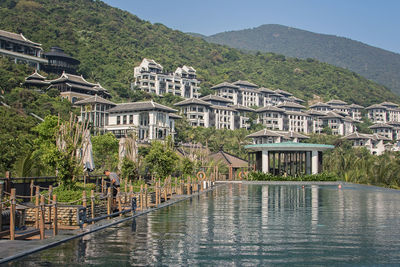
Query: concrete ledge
(38, 245)
(283, 182)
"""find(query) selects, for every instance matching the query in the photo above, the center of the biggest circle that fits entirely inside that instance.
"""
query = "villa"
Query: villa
(150, 77)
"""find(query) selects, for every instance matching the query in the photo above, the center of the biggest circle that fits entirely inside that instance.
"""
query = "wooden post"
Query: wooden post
(126, 191)
(156, 190)
(8, 182)
(1, 208)
(119, 200)
(109, 199)
(102, 185)
(12, 214)
(130, 193)
(84, 203)
(55, 216)
(146, 204)
(92, 200)
(49, 201)
(188, 187)
(32, 189)
(37, 208)
(42, 217)
(141, 197)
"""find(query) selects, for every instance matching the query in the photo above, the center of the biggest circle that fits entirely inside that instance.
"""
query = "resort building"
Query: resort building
(74, 87)
(395, 129)
(95, 110)
(150, 77)
(383, 112)
(272, 118)
(338, 106)
(321, 107)
(383, 129)
(355, 112)
(282, 154)
(196, 111)
(35, 80)
(59, 61)
(21, 49)
(373, 142)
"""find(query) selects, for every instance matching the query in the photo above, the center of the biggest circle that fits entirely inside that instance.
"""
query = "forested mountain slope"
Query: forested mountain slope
(110, 42)
(376, 64)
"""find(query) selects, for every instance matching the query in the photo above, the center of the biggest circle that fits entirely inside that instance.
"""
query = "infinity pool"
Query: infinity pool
(246, 225)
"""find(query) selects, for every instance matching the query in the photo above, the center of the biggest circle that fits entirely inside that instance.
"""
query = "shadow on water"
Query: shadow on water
(248, 225)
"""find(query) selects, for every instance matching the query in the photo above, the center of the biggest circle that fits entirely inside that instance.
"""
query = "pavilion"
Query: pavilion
(287, 158)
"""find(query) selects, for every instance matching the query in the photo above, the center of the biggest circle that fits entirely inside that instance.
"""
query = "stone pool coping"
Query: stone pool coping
(12, 250)
(285, 182)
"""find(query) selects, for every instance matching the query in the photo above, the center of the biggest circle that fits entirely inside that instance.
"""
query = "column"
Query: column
(314, 162)
(265, 161)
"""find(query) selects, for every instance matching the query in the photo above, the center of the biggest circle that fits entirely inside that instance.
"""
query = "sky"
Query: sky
(374, 22)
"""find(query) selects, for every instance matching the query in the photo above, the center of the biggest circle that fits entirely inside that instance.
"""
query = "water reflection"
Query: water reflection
(249, 225)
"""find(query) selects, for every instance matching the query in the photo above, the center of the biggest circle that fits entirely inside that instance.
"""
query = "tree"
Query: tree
(105, 151)
(161, 159)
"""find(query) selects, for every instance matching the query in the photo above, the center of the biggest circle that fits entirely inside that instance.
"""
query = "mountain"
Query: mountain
(110, 42)
(376, 64)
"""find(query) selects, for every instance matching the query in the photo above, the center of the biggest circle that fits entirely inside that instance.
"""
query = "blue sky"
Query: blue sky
(374, 22)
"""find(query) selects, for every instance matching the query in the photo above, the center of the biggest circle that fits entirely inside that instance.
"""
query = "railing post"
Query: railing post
(126, 192)
(84, 203)
(102, 185)
(32, 189)
(145, 197)
(141, 197)
(119, 200)
(1, 208)
(109, 199)
(92, 200)
(49, 201)
(37, 207)
(55, 216)
(12, 214)
(42, 217)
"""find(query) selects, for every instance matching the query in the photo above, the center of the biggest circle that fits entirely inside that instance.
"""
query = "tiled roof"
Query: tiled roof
(140, 106)
(291, 105)
(216, 98)
(245, 83)
(282, 92)
(380, 125)
(355, 106)
(293, 98)
(332, 114)
(18, 37)
(319, 104)
(265, 133)
(229, 159)
(270, 108)
(296, 113)
(389, 104)
(73, 78)
(357, 135)
(376, 106)
(223, 108)
(174, 116)
(266, 90)
(336, 102)
(292, 134)
(35, 76)
(242, 108)
(192, 101)
(225, 84)
(94, 99)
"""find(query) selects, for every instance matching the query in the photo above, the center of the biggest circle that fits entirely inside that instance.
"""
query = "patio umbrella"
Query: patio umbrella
(87, 156)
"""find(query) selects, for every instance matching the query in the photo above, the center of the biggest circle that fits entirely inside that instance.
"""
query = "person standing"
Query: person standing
(114, 183)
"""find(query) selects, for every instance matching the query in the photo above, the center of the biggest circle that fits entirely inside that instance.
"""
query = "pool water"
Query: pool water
(247, 225)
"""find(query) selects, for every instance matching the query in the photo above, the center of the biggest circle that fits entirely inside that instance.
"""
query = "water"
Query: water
(247, 225)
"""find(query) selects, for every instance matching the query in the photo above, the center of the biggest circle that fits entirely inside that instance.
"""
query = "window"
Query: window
(118, 120)
(124, 119)
(130, 119)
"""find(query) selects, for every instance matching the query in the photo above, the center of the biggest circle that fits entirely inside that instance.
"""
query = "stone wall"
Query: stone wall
(66, 215)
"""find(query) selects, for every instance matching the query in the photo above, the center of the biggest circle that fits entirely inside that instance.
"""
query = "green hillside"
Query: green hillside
(110, 42)
(371, 62)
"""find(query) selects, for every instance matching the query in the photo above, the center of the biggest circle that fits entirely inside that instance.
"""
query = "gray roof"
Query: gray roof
(141, 106)
(380, 125)
(319, 104)
(191, 101)
(265, 132)
(292, 134)
(222, 107)
(296, 113)
(242, 108)
(291, 105)
(315, 113)
(356, 136)
(296, 99)
(266, 90)
(18, 37)
(282, 92)
(93, 100)
(174, 116)
(270, 108)
(216, 98)
(355, 106)
(225, 84)
(35, 76)
(389, 104)
(245, 83)
(376, 106)
(336, 102)
(73, 78)
(332, 114)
